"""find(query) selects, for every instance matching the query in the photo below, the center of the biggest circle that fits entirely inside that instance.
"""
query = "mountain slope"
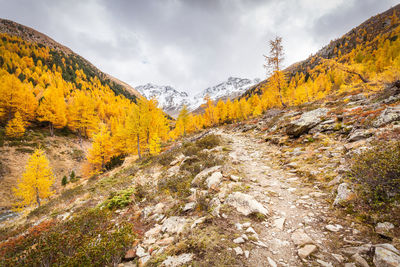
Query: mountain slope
(354, 47)
(60, 51)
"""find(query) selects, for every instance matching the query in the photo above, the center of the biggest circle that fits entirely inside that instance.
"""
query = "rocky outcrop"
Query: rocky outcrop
(389, 115)
(386, 255)
(307, 121)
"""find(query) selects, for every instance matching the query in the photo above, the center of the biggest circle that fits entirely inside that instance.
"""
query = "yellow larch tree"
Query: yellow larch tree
(53, 109)
(35, 184)
(183, 119)
(101, 151)
(16, 126)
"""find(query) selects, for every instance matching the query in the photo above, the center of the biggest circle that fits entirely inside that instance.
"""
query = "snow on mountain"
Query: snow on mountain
(172, 101)
(169, 99)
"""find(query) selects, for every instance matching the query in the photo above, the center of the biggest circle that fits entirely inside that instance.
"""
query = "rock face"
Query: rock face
(343, 194)
(386, 255)
(387, 116)
(307, 121)
(246, 204)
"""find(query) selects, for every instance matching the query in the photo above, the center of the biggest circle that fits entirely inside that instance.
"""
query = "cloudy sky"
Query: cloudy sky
(189, 44)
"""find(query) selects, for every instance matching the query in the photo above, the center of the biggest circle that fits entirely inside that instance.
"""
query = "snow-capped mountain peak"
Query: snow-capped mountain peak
(172, 100)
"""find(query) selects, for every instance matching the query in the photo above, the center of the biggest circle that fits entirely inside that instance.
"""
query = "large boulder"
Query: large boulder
(386, 255)
(245, 204)
(387, 116)
(307, 121)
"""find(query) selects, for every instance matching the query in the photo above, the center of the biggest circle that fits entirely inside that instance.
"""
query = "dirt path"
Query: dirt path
(301, 220)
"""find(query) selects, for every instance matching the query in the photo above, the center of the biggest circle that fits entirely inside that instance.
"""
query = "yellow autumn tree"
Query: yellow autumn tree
(35, 184)
(53, 108)
(101, 151)
(16, 126)
(183, 118)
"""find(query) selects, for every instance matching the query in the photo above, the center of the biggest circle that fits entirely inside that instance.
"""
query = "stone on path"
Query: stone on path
(300, 238)
(306, 251)
(245, 204)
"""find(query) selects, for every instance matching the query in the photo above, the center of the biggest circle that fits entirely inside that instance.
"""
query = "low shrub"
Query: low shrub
(88, 239)
(119, 199)
(178, 185)
(376, 173)
(209, 141)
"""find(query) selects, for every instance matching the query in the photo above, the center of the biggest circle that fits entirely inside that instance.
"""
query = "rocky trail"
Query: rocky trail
(265, 215)
(299, 222)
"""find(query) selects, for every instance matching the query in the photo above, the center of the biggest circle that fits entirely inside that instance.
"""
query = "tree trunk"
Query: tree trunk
(51, 127)
(138, 146)
(37, 197)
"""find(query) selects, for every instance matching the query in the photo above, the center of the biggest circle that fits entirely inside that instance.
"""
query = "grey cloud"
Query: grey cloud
(189, 44)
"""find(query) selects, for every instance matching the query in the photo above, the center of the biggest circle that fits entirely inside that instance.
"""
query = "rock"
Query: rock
(384, 228)
(359, 135)
(350, 264)
(307, 121)
(174, 225)
(239, 240)
(333, 228)
(260, 244)
(235, 178)
(387, 116)
(247, 254)
(174, 261)
(165, 241)
(271, 262)
(214, 180)
(306, 251)
(251, 230)
(153, 231)
(189, 206)
(246, 224)
(338, 257)
(140, 252)
(324, 264)
(199, 178)
(279, 223)
(362, 250)
(215, 205)
(198, 221)
(335, 180)
(300, 238)
(386, 255)
(360, 260)
(245, 204)
(178, 159)
(130, 254)
(343, 194)
(238, 250)
(159, 208)
(172, 171)
(144, 260)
